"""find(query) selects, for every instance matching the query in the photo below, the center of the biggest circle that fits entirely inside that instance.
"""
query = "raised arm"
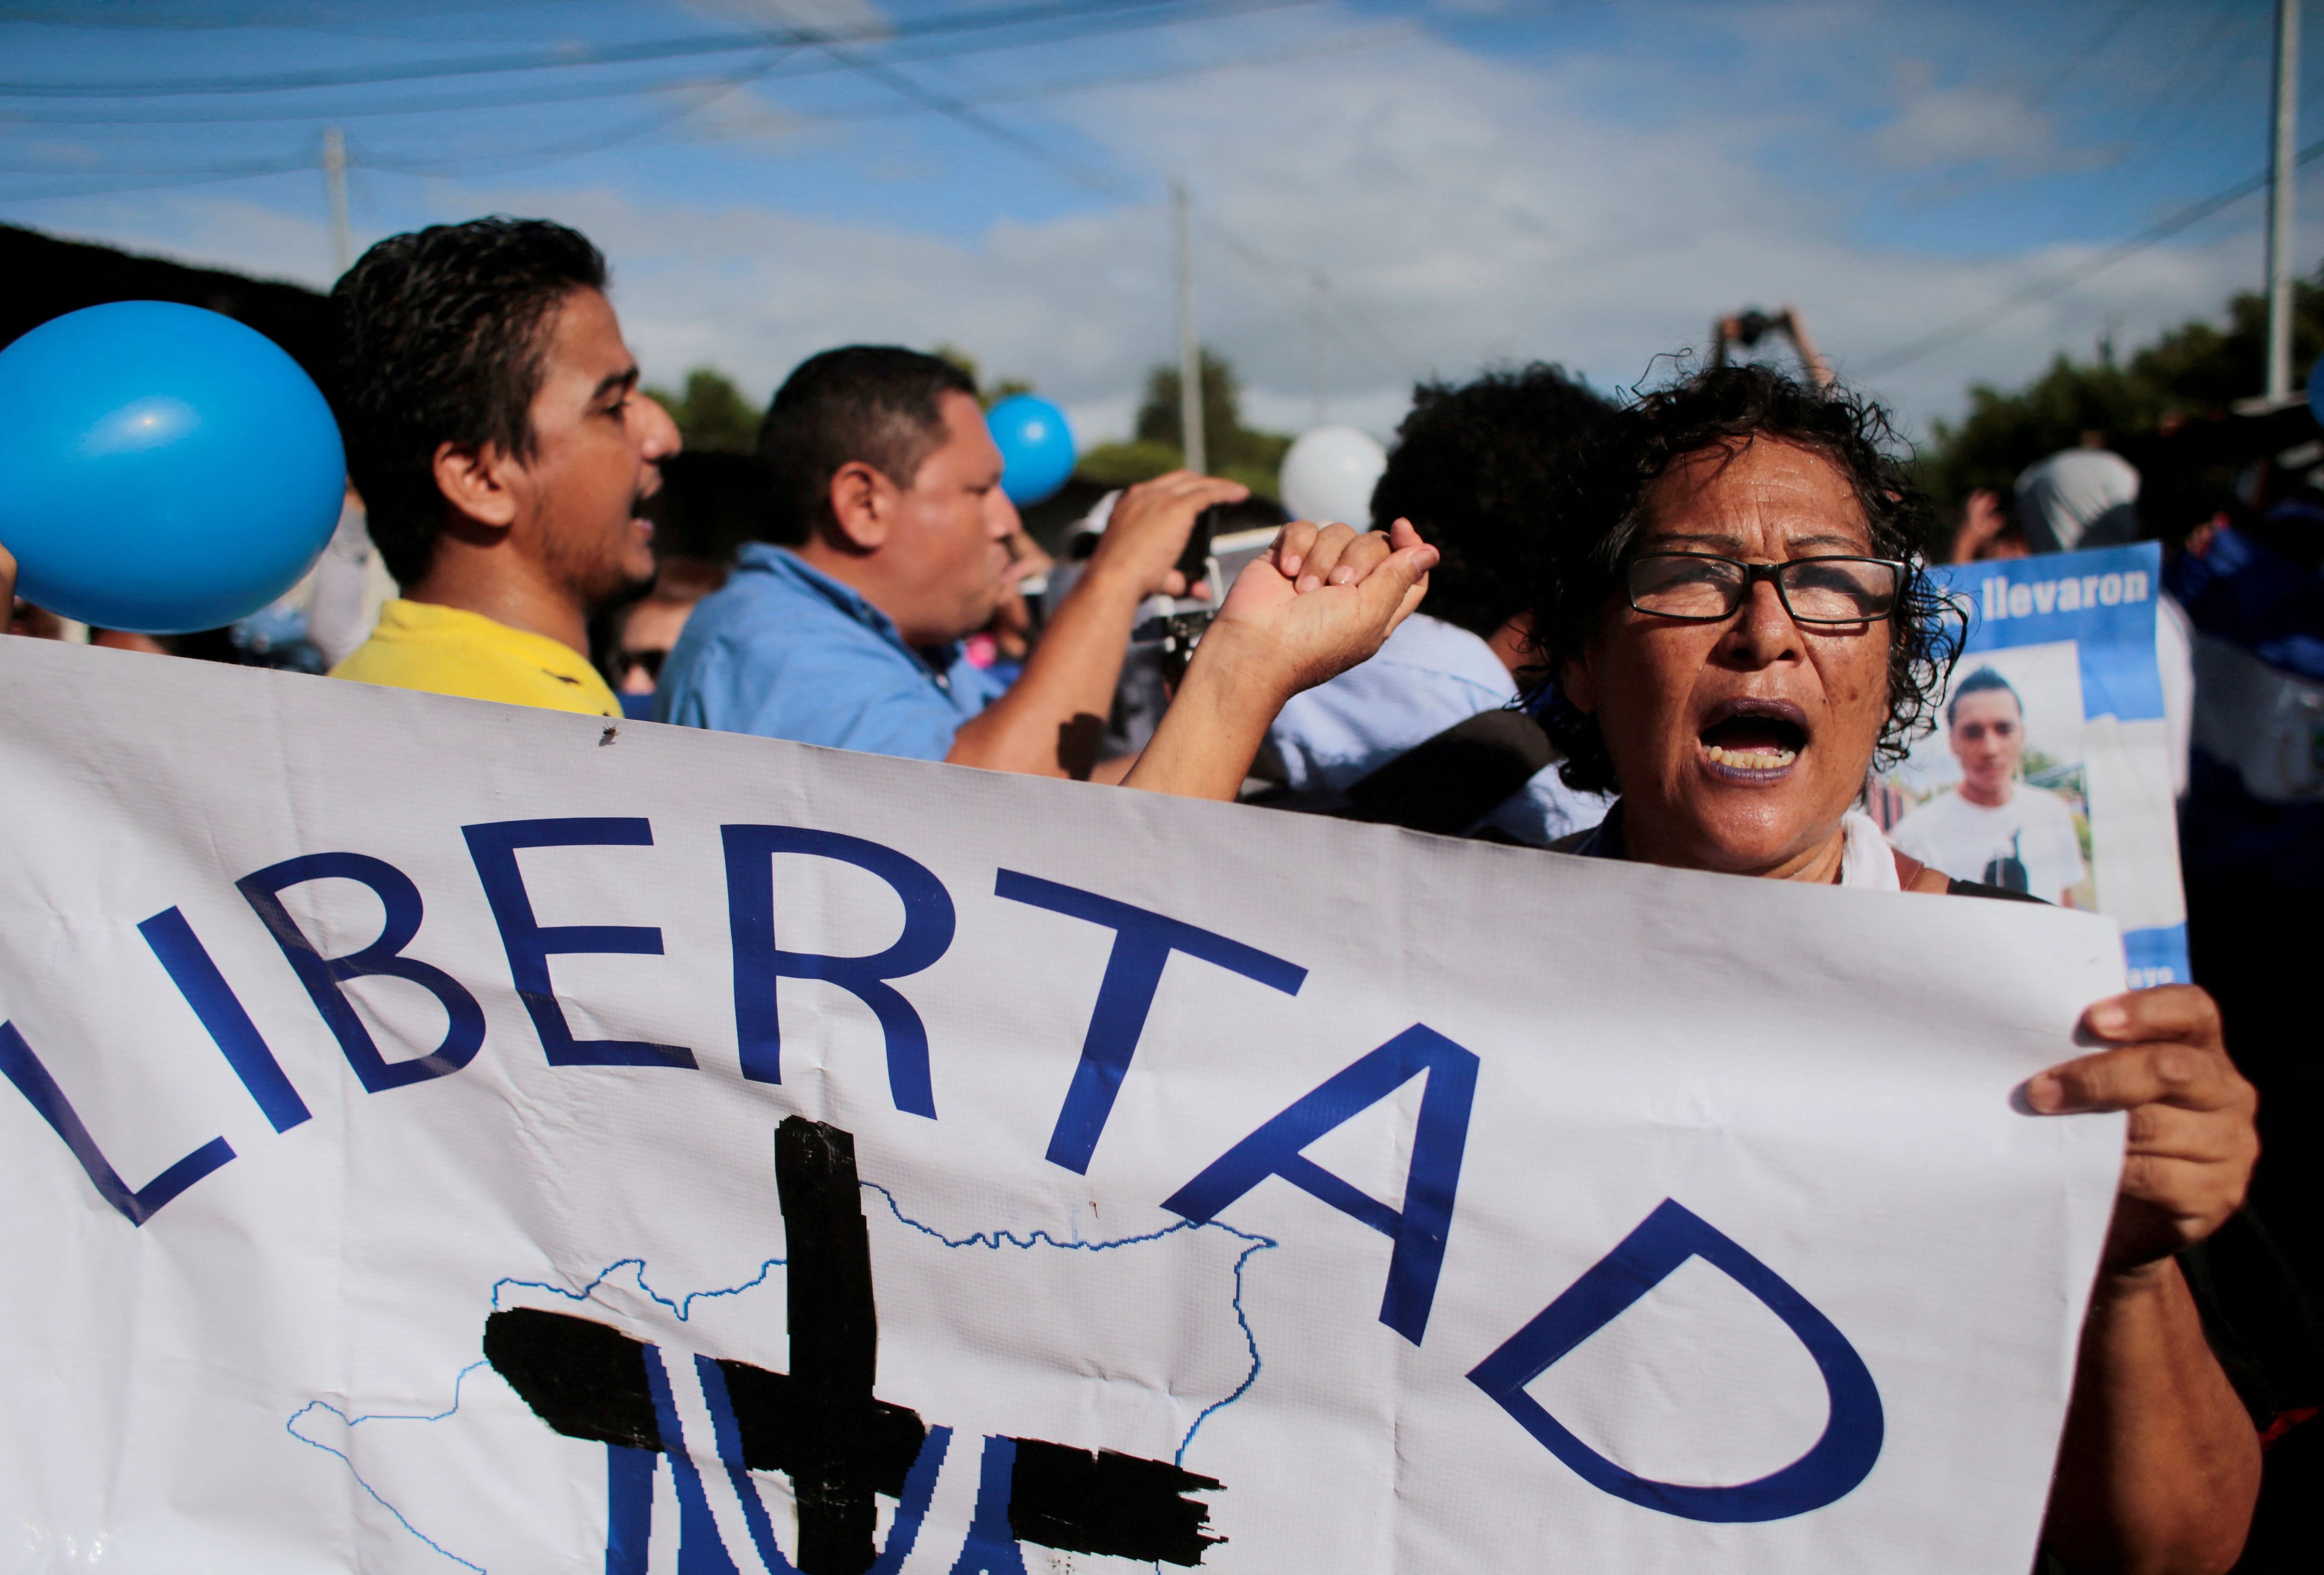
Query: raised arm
(1795, 327)
(2160, 1466)
(1323, 600)
(1049, 721)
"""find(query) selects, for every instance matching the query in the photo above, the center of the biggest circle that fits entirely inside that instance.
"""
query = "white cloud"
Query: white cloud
(1950, 128)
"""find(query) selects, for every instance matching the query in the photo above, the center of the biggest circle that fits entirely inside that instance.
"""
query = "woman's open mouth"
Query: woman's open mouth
(1754, 740)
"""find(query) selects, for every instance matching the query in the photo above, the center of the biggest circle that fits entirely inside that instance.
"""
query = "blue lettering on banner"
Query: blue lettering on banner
(137, 1205)
(991, 1546)
(185, 961)
(463, 1019)
(629, 1507)
(759, 963)
(493, 847)
(1671, 1235)
(726, 1438)
(1440, 1138)
(701, 1550)
(1142, 944)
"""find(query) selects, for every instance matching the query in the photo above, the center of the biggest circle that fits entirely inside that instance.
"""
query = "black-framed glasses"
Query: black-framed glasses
(1703, 588)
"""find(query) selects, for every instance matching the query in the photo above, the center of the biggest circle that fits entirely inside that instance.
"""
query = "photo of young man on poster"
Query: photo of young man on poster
(1993, 826)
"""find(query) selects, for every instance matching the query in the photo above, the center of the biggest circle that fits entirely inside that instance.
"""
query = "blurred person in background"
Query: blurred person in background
(1745, 330)
(1485, 470)
(2251, 828)
(1001, 646)
(1985, 531)
(496, 435)
(349, 586)
(24, 617)
(2078, 497)
(2081, 499)
(640, 635)
(36, 623)
(888, 483)
(201, 645)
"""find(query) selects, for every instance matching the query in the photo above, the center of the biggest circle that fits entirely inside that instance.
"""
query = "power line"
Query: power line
(2058, 284)
(1064, 87)
(896, 81)
(2086, 56)
(210, 175)
(207, 16)
(714, 89)
(1277, 271)
(789, 68)
(2223, 29)
(533, 158)
(557, 57)
(500, 164)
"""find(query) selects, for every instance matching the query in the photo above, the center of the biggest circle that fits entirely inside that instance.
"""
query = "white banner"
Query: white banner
(442, 1136)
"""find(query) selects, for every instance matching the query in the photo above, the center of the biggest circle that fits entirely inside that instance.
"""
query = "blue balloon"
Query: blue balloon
(1036, 446)
(162, 468)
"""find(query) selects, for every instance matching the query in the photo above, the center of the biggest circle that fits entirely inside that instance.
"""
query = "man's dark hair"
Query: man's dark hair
(1486, 471)
(881, 406)
(1728, 408)
(1977, 683)
(443, 337)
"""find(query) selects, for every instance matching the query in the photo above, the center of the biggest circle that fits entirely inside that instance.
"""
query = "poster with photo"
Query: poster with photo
(2049, 769)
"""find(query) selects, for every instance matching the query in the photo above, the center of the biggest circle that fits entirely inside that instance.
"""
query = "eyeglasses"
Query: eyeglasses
(1702, 589)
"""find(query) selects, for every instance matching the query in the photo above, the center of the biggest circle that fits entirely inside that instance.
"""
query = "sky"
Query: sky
(1380, 190)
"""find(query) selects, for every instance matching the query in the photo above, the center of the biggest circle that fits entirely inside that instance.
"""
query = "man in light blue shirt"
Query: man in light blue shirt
(887, 479)
(1483, 470)
(785, 650)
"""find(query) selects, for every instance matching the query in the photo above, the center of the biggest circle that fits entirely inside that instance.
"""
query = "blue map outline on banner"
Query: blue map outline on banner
(291, 1427)
(682, 1310)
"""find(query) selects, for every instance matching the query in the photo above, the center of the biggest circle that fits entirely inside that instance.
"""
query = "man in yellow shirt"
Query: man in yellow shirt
(495, 431)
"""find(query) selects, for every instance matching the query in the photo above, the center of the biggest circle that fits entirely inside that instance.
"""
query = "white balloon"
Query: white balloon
(1329, 475)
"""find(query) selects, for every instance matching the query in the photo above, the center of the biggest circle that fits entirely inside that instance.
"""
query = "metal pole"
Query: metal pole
(1190, 351)
(335, 176)
(2281, 152)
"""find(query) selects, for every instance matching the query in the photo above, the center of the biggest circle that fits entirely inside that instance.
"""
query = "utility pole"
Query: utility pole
(1190, 349)
(334, 177)
(2281, 152)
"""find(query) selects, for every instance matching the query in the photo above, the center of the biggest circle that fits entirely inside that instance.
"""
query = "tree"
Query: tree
(2197, 369)
(1007, 388)
(712, 415)
(1242, 453)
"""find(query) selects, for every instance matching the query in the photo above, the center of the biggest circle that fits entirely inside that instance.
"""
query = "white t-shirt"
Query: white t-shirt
(2026, 845)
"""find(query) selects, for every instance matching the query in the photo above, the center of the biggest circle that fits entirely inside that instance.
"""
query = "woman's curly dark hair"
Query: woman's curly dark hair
(1728, 407)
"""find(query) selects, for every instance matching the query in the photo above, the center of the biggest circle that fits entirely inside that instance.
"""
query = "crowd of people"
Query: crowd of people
(1709, 607)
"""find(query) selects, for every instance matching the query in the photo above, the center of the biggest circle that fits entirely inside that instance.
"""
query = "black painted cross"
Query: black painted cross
(821, 1424)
